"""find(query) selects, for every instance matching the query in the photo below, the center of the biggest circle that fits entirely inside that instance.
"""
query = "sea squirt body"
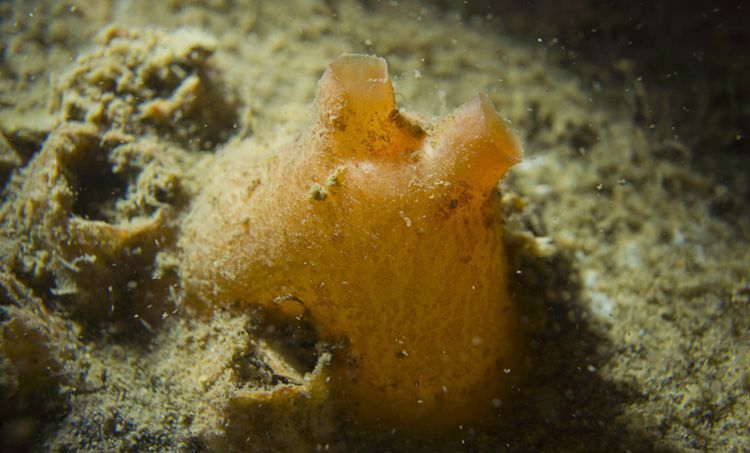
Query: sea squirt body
(385, 233)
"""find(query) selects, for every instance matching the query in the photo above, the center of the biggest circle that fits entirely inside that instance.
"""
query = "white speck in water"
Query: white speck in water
(590, 277)
(442, 97)
(496, 402)
(407, 220)
(631, 254)
(602, 304)
(476, 341)
(677, 237)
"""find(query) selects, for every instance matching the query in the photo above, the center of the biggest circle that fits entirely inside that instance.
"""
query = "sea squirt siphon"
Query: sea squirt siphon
(385, 234)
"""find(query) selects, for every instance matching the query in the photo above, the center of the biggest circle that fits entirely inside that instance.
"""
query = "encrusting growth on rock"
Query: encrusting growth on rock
(383, 233)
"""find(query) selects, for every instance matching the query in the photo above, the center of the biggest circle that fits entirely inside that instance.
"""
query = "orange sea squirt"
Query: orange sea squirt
(385, 234)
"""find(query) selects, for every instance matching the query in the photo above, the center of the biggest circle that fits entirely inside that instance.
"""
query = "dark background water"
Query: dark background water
(688, 62)
(695, 54)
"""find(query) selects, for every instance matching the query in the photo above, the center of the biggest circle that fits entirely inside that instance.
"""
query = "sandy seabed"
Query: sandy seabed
(631, 265)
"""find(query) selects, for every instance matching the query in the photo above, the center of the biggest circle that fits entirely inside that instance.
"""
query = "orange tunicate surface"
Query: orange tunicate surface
(385, 234)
